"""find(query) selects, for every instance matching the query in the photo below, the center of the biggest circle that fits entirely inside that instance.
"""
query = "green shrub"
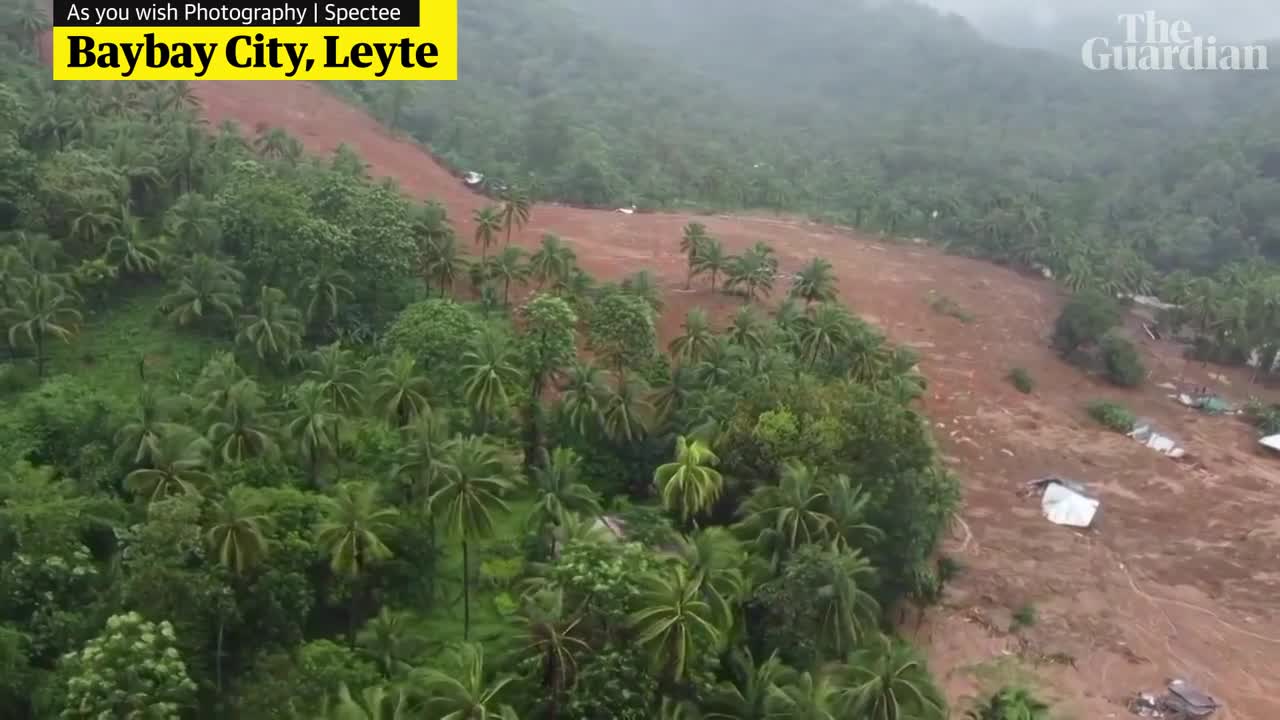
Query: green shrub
(1086, 318)
(1022, 380)
(1123, 364)
(1025, 616)
(1114, 416)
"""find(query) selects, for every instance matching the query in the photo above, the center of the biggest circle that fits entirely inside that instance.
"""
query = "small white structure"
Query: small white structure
(628, 211)
(473, 178)
(1064, 502)
(1271, 441)
(1146, 434)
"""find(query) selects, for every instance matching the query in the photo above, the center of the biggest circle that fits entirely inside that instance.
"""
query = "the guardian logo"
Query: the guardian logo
(1151, 43)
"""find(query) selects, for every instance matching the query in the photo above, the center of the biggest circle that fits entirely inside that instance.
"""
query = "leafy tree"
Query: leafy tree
(464, 691)
(690, 485)
(178, 465)
(810, 696)
(133, 669)
(40, 309)
(1084, 321)
(1124, 365)
(820, 594)
(351, 535)
(275, 330)
(674, 623)
(488, 223)
(469, 494)
(622, 331)
(816, 282)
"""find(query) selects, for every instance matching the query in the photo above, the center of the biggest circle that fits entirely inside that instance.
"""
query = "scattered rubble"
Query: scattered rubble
(1181, 701)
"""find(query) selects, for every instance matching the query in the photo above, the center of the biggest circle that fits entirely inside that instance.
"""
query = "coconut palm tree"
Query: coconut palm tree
(847, 507)
(746, 696)
(400, 392)
(442, 263)
(696, 340)
(643, 285)
(336, 372)
(549, 637)
(846, 609)
(273, 143)
(325, 292)
(674, 623)
(582, 396)
(749, 331)
(552, 263)
(129, 248)
(275, 330)
(31, 20)
(691, 242)
(780, 518)
(240, 432)
(389, 640)
(690, 485)
(374, 703)
(508, 266)
(816, 282)
(465, 692)
(421, 459)
(810, 696)
(488, 223)
(469, 495)
(626, 412)
(137, 440)
(558, 489)
(312, 425)
(40, 308)
(825, 333)
(236, 538)
(177, 467)
(206, 287)
(753, 273)
(888, 681)
(350, 535)
(516, 208)
(715, 560)
(712, 260)
(490, 371)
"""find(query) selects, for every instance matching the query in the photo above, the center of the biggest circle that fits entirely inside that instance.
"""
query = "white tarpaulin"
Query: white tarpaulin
(1271, 441)
(1163, 444)
(1063, 505)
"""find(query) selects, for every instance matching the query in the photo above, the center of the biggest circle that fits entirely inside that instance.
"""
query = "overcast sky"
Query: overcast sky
(1236, 20)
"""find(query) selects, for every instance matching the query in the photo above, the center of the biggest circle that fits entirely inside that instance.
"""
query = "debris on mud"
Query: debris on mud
(1065, 502)
(1146, 433)
(1181, 701)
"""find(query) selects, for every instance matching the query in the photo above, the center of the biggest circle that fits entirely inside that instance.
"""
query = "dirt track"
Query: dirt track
(1178, 578)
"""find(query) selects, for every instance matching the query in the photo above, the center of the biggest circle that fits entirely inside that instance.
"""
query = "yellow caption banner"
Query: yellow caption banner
(427, 52)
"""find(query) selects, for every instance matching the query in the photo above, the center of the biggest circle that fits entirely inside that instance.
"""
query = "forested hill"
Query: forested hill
(871, 114)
